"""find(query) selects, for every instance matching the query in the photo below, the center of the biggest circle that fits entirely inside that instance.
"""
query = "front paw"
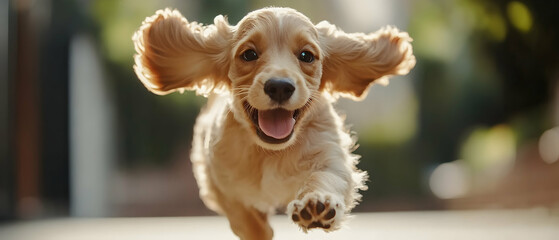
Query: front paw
(317, 211)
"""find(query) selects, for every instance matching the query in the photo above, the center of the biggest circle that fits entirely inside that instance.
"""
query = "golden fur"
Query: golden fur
(241, 175)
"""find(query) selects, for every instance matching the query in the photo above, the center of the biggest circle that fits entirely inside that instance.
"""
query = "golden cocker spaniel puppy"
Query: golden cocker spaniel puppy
(269, 136)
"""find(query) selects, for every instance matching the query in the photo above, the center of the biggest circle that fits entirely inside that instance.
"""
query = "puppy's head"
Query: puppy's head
(275, 63)
(275, 71)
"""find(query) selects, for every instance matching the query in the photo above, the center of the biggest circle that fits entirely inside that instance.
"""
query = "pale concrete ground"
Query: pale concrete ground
(541, 224)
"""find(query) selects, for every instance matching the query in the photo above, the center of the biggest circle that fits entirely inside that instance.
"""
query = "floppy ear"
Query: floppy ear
(353, 61)
(173, 53)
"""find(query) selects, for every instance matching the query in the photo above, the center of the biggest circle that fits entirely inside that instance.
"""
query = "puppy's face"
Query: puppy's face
(274, 63)
(275, 71)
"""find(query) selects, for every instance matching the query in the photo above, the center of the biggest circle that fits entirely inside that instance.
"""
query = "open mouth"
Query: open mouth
(275, 125)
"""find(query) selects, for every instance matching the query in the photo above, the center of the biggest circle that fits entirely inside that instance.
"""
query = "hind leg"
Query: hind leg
(246, 222)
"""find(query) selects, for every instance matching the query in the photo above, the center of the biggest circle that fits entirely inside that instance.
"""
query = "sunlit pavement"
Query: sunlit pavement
(538, 224)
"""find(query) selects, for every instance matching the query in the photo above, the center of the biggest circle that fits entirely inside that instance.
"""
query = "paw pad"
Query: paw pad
(314, 213)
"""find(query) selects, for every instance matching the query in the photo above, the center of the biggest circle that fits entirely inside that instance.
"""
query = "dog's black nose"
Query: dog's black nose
(279, 89)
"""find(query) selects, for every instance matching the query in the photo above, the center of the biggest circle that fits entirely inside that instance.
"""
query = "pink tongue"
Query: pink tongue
(277, 123)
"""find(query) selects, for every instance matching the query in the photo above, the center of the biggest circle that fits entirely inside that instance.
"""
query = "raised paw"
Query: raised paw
(314, 211)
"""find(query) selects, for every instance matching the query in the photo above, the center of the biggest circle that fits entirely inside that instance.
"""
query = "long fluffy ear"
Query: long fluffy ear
(175, 54)
(353, 61)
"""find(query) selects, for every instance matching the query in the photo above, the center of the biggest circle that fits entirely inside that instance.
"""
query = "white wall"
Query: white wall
(92, 138)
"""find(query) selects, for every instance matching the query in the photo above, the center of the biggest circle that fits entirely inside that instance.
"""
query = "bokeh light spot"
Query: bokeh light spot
(491, 148)
(496, 27)
(549, 145)
(520, 16)
(449, 180)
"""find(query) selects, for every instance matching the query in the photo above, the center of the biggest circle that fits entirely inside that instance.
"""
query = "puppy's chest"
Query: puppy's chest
(281, 181)
(277, 186)
(273, 180)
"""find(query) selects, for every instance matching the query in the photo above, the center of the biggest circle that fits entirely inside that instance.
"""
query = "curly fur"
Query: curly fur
(313, 173)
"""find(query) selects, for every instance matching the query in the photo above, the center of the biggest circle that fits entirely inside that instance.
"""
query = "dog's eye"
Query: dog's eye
(249, 55)
(306, 56)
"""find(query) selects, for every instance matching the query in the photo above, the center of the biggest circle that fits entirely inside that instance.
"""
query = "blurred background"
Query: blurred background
(474, 126)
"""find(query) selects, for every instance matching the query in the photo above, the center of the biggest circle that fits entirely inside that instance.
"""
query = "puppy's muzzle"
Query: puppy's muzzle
(279, 89)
